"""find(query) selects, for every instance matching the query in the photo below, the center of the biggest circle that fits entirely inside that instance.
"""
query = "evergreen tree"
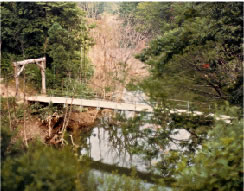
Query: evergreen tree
(195, 48)
(201, 53)
(37, 29)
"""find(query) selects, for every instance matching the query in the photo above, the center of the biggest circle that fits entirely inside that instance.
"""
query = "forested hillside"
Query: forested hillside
(184, 60)
(194, 49)
(57, 31)
(113, 56)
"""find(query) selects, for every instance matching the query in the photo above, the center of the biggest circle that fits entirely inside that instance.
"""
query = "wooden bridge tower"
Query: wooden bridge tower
(20, 65)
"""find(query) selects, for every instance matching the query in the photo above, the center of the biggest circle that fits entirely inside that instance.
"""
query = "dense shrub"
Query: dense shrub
(42, 168)
(218, 165)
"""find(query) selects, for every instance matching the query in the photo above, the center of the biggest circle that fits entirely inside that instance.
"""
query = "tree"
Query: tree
(127, 11)
(201, 53)
(113, 55)
(92, 9)
(37, 29)
(23, 28)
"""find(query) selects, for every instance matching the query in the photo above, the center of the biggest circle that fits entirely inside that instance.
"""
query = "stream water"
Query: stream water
(102, 149)
(109, 157)
(113, 145)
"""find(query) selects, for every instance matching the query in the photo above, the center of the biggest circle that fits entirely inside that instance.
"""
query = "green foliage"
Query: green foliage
(16, 111)
(6, 66)
(72, 88)
(151, 135)
(5, 139)
(45, 168)
(114, 181)
(153, 24)
(56, 30)
(42, 168)
(127, 10)
(21, 22)
(33, 76)
(45, 111)
(236, 91)
(93, 9)
(168, 164)
(8, 148)
(60, 47)
(53, 80)
(196, 48)
(218, 165)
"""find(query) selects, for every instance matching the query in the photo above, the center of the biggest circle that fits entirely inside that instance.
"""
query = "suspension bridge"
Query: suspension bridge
(100, 104)
(117, 106)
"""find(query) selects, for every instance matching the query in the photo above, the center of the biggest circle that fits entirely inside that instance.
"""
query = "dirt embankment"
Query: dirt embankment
(10, 90)
(51, 130)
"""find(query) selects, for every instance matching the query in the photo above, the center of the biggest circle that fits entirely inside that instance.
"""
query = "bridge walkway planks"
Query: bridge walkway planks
(94, 103)
(115, 105)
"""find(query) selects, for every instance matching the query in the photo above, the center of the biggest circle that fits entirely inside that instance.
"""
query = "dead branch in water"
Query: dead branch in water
(72, 141)
(9, 114)
(49, 119)
(25, 138)
(66, 119)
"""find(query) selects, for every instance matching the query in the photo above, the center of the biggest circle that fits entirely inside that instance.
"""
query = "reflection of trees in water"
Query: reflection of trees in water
(127, 136)
(82, 138)
(143, 138)
(154, 135)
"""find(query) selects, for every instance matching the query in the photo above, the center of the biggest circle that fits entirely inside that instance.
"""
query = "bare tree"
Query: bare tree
(113, 55)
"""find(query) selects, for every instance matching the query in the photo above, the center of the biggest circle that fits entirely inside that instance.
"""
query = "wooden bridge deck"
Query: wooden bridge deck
(94, 103)
(114, 105)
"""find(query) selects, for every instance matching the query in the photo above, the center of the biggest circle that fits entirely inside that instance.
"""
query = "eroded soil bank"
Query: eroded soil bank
(59, 127)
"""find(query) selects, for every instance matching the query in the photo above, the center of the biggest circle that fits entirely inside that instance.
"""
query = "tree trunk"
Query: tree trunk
(16, 81)
(43, 81)
(9, 114)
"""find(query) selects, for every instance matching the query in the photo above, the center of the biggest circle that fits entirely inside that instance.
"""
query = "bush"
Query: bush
(5, 140)
(42, 168)
(218, 165)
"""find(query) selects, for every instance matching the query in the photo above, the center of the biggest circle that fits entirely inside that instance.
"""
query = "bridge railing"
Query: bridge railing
(193, 106)
(174, 103)
(184, 105)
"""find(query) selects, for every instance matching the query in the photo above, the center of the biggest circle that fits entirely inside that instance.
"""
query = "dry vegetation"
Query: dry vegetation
(113, 56)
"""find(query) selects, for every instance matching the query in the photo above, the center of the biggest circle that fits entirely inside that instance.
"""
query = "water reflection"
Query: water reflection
(112, 181)
(128, 140)
(106, 149)
(151, 142)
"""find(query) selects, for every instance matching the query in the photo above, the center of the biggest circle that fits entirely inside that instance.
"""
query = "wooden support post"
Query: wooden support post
(19, 67)
(43, 78)
(16, 80)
